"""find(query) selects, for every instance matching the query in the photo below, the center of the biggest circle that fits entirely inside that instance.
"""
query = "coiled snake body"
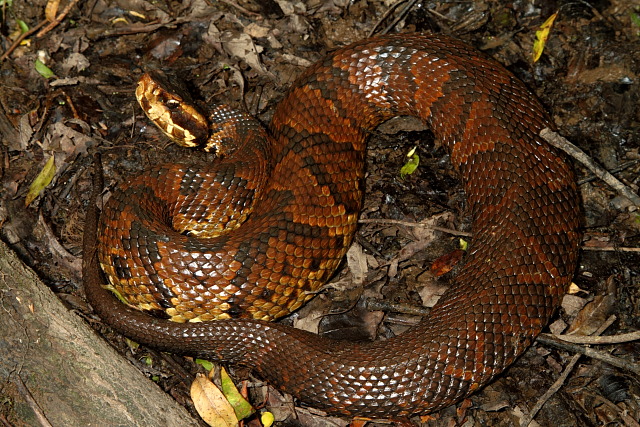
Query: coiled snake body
(287, 236)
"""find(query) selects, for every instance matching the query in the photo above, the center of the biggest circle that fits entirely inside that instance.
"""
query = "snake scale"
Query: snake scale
(282, 239)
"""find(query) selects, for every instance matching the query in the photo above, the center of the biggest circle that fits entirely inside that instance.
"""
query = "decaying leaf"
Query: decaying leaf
(242, 46)
(595, 313)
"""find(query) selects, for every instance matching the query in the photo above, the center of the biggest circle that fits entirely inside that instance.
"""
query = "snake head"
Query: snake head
(171, 112)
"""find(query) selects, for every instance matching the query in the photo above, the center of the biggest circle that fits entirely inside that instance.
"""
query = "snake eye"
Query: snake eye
(172, 104)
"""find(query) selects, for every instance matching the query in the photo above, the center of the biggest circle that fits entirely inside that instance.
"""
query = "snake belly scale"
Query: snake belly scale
(521, 196)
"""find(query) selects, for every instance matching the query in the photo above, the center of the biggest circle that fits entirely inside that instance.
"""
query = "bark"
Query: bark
(55, 370)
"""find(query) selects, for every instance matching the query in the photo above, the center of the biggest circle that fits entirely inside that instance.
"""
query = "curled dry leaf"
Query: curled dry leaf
(51, 10)
(357, 262)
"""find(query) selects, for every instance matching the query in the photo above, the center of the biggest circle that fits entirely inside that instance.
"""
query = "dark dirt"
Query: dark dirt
(588, 78)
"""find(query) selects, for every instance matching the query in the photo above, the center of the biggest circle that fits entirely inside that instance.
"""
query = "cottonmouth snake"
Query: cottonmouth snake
(521, 195)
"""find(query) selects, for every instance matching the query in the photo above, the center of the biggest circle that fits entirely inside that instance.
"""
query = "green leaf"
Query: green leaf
(43, 70)
(43, 179)
(242, 408)
(411, 165)
(22, 25)
(635, 19)
(464, 244)
(205, 364)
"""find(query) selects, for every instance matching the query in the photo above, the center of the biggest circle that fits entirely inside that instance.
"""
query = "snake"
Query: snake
(273, 244)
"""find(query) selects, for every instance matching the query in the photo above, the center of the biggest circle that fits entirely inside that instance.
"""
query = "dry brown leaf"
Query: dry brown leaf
(595, 313)
(241, 45)
(212, 406)
(51, 10)
(444, 264)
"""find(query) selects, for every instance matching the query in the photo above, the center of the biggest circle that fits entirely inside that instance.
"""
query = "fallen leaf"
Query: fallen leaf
(411, 165)
(242, 46)
(572, 304)
(446, 262)
(211, 404)
(242, 408)
(42, 180)
(541, 37)
(595, 313)
(43, 70)
(51, 10)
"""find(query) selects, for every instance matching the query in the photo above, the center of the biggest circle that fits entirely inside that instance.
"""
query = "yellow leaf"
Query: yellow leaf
(211, 404)
(267, 419)
(42, 180)
(541, 37)
(51, 10)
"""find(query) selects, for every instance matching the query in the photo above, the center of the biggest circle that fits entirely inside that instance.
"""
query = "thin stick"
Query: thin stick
(414, 224)
(240, 8)
(58, 19)
(559, 142)
(598, 340)
(402, 13)
(19, 40)
(589, 352)
(609, 249)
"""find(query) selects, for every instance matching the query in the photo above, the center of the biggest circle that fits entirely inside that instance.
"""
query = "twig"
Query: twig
(240, 8)
(396, 307)
(552, 390)
(609, 249)
(589, 352)
(19, 40)
(402, 13)
(414, 224)
(620, 168)
(41, 31)
(136, 29)
(559, 142)
(58, 19)
(590, 339)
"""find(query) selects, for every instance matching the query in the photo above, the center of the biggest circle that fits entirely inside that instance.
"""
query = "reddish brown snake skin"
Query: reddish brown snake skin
(520, 191)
